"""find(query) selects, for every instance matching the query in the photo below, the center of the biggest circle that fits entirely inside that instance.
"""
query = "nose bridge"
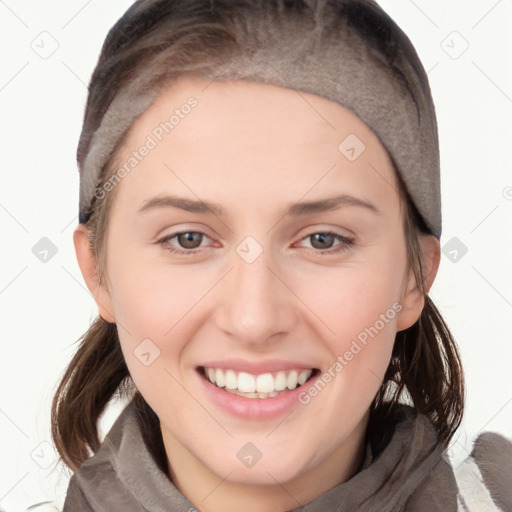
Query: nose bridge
(255, 306)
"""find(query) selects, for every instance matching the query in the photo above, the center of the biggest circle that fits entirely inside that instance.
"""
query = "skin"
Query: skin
(256, 149)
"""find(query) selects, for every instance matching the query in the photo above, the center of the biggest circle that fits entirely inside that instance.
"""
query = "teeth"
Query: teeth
(219, 378)
(231, 380)
(246, 382)
(280, 381)
(292, 379)
(303, 377)
(253, 395)
(265, 385)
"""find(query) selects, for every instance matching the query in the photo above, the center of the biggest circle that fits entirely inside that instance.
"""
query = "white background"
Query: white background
(46, 307)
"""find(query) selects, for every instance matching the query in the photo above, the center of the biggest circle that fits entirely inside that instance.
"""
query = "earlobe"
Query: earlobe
(413, 299)
(88, 266)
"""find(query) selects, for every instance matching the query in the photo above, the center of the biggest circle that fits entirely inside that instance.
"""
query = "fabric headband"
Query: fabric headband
(361, 60)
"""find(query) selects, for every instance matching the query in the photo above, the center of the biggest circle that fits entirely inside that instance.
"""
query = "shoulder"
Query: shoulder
(485, 477)
(483, 480)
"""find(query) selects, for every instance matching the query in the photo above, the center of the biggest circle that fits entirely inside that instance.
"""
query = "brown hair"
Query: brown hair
(425, 367)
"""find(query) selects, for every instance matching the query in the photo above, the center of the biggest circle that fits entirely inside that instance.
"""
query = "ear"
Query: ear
(412, 299)
(88, 266)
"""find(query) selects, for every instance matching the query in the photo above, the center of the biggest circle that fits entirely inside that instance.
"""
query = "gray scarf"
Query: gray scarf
(409, 474)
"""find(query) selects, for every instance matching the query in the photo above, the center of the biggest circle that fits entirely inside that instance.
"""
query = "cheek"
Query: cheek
(352, 298)
(155, 307)
(156, 313)
(358, 307)
(359, 354)
(151, 297)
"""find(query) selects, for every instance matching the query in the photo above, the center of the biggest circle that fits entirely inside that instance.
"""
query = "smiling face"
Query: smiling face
(296, 269)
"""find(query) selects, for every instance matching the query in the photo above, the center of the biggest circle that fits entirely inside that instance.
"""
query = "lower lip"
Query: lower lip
(253, 408)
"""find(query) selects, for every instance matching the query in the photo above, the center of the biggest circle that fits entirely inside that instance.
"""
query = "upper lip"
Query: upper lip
(257, 367)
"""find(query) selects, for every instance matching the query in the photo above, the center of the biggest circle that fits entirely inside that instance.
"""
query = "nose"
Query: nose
(256, 308)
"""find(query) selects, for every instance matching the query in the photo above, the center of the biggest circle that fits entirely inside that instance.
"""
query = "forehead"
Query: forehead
(252, 138)
(253, 109)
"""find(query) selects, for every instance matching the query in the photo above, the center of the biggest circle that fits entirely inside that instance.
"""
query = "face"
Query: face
(256, 269)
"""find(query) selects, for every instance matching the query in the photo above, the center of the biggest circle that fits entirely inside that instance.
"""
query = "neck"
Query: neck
(210, 492)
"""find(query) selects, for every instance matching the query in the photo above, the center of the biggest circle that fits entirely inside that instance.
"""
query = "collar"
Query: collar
(123, 474)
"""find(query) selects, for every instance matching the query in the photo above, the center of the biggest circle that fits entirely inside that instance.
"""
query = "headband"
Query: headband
(354, 55)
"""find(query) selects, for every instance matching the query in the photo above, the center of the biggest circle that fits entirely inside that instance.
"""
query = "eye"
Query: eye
(323, 240)
(187, 241)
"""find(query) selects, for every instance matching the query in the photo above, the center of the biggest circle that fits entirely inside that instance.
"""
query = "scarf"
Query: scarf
(409, 474)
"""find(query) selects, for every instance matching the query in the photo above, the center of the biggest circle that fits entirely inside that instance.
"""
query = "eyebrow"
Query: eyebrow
(297, 209)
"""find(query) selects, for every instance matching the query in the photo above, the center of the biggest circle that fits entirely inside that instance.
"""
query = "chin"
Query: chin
(270, 468)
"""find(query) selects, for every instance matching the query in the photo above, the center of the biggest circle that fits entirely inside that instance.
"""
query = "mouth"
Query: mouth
(261, 386)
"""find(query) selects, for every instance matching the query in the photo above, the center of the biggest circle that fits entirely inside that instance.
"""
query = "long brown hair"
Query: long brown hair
(425, 368)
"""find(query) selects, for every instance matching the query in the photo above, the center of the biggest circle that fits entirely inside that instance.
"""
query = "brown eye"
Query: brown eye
(189, 239)
(321, 240)
(328, 242)
(186, 243)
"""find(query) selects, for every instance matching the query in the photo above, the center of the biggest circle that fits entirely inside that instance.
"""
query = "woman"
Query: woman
(259, 225)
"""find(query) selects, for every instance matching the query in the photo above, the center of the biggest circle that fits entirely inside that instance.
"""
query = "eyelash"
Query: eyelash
(346, 243)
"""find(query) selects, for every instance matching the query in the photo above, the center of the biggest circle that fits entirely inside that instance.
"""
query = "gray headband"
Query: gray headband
(361, 60)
